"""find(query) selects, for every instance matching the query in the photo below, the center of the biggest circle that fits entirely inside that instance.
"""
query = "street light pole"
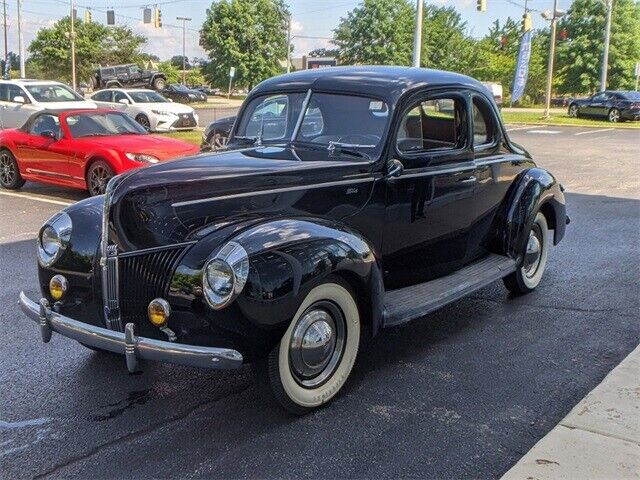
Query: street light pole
(6, 53)
(605, 56)
(20, 39)
(184, 41)
(552, 52)
(417, 36)
(72, 37)
(289, 45)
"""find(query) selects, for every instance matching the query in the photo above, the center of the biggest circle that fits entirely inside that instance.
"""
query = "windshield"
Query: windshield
(180, 88)
(633, 96)
(335, 122)
(53, 93)
(147, 97)
(101, 124)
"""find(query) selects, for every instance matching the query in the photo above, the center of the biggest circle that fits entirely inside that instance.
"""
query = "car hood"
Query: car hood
(163, 148)
(178, 201)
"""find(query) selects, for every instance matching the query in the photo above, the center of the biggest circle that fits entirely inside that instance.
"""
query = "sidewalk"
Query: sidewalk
(598, 439)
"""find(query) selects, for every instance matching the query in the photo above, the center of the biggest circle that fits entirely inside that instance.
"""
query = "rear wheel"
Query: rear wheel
(614, 115)
(534, 259)
(10, 177)
(573, 111)
(159, 83)
(144, 121)
(217, 141)
(316, 354)
(98, 176)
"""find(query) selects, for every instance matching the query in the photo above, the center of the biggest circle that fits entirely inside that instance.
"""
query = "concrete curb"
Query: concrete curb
(598, 439)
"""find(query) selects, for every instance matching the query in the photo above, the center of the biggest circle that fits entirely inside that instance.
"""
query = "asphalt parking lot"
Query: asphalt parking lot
(464, 392)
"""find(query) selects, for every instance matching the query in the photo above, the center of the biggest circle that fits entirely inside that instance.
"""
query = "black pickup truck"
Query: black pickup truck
(130, 75)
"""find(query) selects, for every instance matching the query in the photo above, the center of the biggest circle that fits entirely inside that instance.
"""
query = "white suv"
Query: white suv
(149, 108)
(19, 99)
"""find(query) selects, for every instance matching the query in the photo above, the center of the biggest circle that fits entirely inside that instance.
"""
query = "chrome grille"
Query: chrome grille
(144, 276)
(111, 290)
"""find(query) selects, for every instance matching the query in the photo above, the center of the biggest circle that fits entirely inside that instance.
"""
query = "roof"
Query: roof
(381, 81)
(23, 81)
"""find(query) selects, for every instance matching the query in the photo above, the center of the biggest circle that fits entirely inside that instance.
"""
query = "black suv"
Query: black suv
(130, 75)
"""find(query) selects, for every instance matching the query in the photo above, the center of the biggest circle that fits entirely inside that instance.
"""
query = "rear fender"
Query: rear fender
(533, 191)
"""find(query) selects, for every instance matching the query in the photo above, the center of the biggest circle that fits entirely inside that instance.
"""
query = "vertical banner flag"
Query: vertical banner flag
(522, 67)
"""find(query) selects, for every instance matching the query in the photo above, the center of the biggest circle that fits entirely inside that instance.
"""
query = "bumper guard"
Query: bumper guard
(127, 343)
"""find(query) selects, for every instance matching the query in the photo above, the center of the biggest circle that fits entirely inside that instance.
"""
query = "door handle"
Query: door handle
(470, 179)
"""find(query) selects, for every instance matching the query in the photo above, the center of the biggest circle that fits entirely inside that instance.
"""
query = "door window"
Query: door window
(483, 124)
(14, 91)
(104, 96)
(268, 119)
(119, 96)
(432, 125)
(45, 123)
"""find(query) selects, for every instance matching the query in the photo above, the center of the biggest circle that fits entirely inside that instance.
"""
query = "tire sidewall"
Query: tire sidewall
(533, 282)
(309, 398)
(91, 167)
(18, 181)
(143, 116)
(609, 116)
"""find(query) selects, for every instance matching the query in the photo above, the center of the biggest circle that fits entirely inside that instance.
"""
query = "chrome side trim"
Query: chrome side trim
(127, 343)
(272, 190)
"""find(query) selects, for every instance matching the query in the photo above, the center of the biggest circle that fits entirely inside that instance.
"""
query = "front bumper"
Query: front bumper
(127, 343)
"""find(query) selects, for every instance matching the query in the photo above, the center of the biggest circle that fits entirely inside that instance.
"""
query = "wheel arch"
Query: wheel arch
(95, 157)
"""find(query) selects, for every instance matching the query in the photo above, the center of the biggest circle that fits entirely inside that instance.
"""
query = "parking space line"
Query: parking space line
(545, 132)
(37, 198)
(520, 128)
(594, 131)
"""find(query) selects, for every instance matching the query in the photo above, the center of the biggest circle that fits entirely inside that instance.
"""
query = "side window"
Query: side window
(432, 125)
(269, 119)
(45, 123)
(104, 96)
(119, 96)
(15, 91)
(4, 92)
(121, 71)
(483, 124)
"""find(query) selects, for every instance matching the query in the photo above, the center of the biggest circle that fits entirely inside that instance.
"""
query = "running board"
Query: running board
(413, 302)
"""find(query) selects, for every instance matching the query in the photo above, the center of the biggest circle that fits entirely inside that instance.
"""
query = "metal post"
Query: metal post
(552, 52)
(6, 53)
(20, 39)
(605, 56)
(289, 45)
(184, 48)
(72, 37)
(417, 36)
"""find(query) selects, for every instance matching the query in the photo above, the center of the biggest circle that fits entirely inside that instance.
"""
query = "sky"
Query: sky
(310, 18)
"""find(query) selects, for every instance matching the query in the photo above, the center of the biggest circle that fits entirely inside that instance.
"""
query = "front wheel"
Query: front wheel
(614, 115)
(218, 141)
(98, 176)
(10, 177)
(143, 120)
(573, 111)
(159, 84)
(534, 260)
(316, 354)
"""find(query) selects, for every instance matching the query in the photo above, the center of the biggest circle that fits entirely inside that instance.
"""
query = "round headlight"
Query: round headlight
(54, 238)
(225, 275)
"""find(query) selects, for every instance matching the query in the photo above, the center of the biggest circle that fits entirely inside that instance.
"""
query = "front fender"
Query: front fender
(533, 191)
(287, 258)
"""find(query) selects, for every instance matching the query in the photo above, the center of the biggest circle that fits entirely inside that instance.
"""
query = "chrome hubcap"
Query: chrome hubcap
(317, 344)
(533, 252)
(7, 169)
(574, 111)
(614, 115)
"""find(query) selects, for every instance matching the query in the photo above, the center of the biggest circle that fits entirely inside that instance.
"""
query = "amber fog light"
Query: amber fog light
(159, 311)
(58, 286)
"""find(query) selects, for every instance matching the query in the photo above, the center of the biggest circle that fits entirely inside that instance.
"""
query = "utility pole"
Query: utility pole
(72, 37)
(6, 53)
(605, 56)
(289, 45)
(184, 51)
(20, 39)
(417, 36)
(552, 52)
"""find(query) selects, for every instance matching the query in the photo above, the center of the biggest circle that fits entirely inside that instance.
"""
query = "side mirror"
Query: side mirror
(49, 134)
(124, 101)
(19, 99)
(394, 169)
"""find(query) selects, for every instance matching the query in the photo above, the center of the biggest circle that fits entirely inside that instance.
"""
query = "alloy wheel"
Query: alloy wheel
(573, 111)
(144, 122)
(218, 141)
(98, 179)
(8, 171)
(614, 115)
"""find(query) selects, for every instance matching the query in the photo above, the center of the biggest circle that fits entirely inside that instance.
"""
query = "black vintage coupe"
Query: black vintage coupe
(368, 197)
(615, 106)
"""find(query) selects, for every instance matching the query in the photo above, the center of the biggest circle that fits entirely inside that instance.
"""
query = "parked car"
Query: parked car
(216, 134)
(615, 106)
(19, 99)
(496, 91)
(307, 240)
(561, 101)
(205, 89)
(182, 94)
(150, 109)
(129, 75)
(80, 149)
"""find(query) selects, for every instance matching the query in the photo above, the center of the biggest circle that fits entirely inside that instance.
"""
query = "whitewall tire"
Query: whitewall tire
(534, 260)
(317, 352)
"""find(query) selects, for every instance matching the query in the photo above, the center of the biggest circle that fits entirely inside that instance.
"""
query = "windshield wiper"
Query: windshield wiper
(348, 149)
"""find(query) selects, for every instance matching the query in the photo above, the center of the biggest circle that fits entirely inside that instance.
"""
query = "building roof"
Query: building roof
(380, 81)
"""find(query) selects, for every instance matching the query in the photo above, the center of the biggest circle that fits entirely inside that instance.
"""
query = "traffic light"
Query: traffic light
(146, 15)
(481, 5)
(157, 19)
(527, 22)
(111, 17)
(87, 16)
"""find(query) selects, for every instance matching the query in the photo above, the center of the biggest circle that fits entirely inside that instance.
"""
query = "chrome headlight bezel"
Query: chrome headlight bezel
(58, 228)
(231, 260)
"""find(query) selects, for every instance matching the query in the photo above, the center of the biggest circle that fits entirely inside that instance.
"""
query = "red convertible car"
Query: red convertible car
(81, 149)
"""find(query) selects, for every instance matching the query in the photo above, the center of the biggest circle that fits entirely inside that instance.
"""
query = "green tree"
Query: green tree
(176, 61)
(96, 45)
(195, 77)
(579, 59)
(378, 32)
(172, 74)
(249, 35)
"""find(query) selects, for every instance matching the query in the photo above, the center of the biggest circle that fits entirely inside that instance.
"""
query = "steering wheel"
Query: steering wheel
(360, 139)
